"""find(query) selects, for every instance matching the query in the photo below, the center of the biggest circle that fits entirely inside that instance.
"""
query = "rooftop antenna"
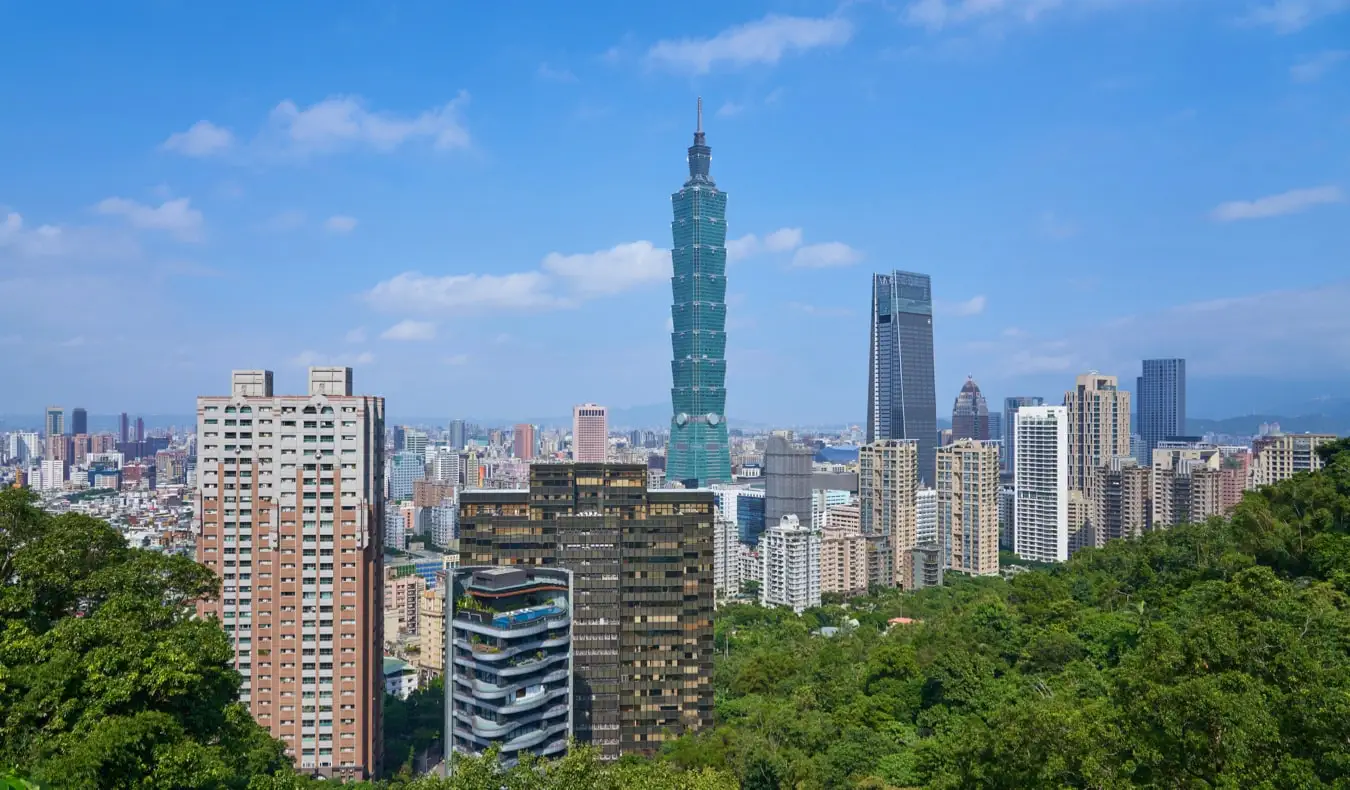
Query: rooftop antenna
(700, 115)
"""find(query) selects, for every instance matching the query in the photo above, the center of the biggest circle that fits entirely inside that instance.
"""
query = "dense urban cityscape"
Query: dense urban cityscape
(295, 582)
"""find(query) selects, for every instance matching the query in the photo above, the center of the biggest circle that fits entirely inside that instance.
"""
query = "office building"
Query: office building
(1041, 484)
(970, 414)
(25, 448)
(1160, 396)
(746, 506)
(140, 429)
(699, 453)
(726, 557)
(888, 487)
(55, 423)
(124, 429)
(643, 565)
(79, 422)
(1280, 456)
(523, 442)
(415, 442)
(1099, 427)
(787, 481)
(282, 481)
(1122, 501)
(590, 433)
(901, 399)
(967, 506)
(790, 554)
(458, 435)
(509, 673)
(926, 515)
(843, 552)
(1010, 407)
(405, 468)
(996, 431)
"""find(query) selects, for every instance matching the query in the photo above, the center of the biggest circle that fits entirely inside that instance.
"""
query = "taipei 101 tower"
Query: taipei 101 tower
(699, 454)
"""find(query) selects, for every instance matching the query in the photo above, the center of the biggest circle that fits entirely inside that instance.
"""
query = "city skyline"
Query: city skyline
(210, 175)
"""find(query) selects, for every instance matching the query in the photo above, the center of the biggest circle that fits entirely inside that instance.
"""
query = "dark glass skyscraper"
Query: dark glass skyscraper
(1162, 402)
(699, 453)
(901, 403)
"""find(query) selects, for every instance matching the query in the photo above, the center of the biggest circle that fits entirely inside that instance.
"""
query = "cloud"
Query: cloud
(414, 291)
(201, 139)
(54, 242)
(1053, 227)
(547, 72)
(357, 335)
(972, 306)
(764, 41)
(1291, 202)
(1312, 68)
(729, 109)
(820, 312)
(750, 245)
(939, 15)
(455, 359)
(309, 359)
(410, 330)
(340, 224)
(1291, 16)
(343, 123)
(826, 255)
(172, 216)
(615, 270)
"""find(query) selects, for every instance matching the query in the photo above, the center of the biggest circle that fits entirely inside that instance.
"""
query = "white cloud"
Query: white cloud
(57, 242)
(172, 216)
(1291, 16)
(414, 291)
(1312, 68)
(750, 245)
(410, 330)
(615, 270)
(938, 15)
(729, 109)
(357, 335)
(307, 359)
(203, 138)
(339, 223)
(1291, 202)
(972, 306)
(343, 122)
(552, 74)
(763, 41)
(826, 255)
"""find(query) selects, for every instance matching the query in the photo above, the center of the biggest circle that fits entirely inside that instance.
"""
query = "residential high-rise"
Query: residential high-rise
(887, 493)
(55, 423)
(926, 515)
(790, 554)
(643, 578)
(1099, 427)
(726, 557)
(1280, 456)
(843, 552)
(522, 441)
(1187, 485)
(787, 481)
(443, 465)
(1007, 503)
(590, 433)
(970, 414)
(1121, 500)
(1041, 484)
(923, 568)
(1010, 407)
(509, 661)
(431, 629)
(967, 506)
(283, 481)
(901, 399)
(699, 450)
(822, 499)
(79, 421)
(124, 426)
(1161, 400)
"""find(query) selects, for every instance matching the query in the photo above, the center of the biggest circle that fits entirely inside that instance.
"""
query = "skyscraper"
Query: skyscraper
(79, 422)
(1161, 393)
(458, 434)
(124, 434)
(291, 523)
(140, 429)
(901, 400)
(55, 423)
(1040, 483)
(1099, 427)
(590, 433)
(787, 481)
(1010, 407)
(522, 440)
(699, 449)
(970, 414)
(642, 563)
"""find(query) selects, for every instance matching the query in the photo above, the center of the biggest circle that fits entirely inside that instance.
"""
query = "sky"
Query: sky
(470, 204)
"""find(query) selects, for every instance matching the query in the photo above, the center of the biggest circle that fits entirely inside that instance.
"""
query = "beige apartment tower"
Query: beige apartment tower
(1121, 501)
(590, 433)
(1099, 427)
(1187, 485)
(888, 479)
(967, 506)
(289, 515)
(843, 552)
(1280, 456)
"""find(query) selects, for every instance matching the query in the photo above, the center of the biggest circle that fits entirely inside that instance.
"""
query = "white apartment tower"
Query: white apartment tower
(789, 552)
(289, 514)
(726, 558)
(926, 515)
(1040, 484)
(590, 433)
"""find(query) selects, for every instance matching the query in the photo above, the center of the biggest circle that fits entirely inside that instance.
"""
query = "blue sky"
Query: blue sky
(471, 206)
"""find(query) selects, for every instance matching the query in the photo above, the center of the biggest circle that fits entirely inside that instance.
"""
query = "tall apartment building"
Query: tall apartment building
(924, 568)
(970, 413)
(843, 552)
(726, 557)
(523, 442)
(822, 499)
(590, 433)
(787, 481)
(431, 630)
(926, 515)
(790, 554)
(901, 393)
(1280, 456)
(443, 465)
(1081, 534)
(1122, 501)
(967, 506)
(643, 578)
(888, 482)
(403, 589)
(1041, 484)
(1099, 427)
(1007, 503)
(1010, 407)
(289, 510)
(1187, 485)
(1161, 396)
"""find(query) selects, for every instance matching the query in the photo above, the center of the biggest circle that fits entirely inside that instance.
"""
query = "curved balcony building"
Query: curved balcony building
(509, 661)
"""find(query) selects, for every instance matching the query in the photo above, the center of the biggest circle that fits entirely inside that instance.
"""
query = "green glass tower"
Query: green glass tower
(698, 453)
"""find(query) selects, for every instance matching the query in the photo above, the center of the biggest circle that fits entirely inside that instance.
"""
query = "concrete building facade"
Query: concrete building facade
(790, 554)
(1099, 427)
(1041, 484)
(888, 482)
(590, 433)
(967, 506)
